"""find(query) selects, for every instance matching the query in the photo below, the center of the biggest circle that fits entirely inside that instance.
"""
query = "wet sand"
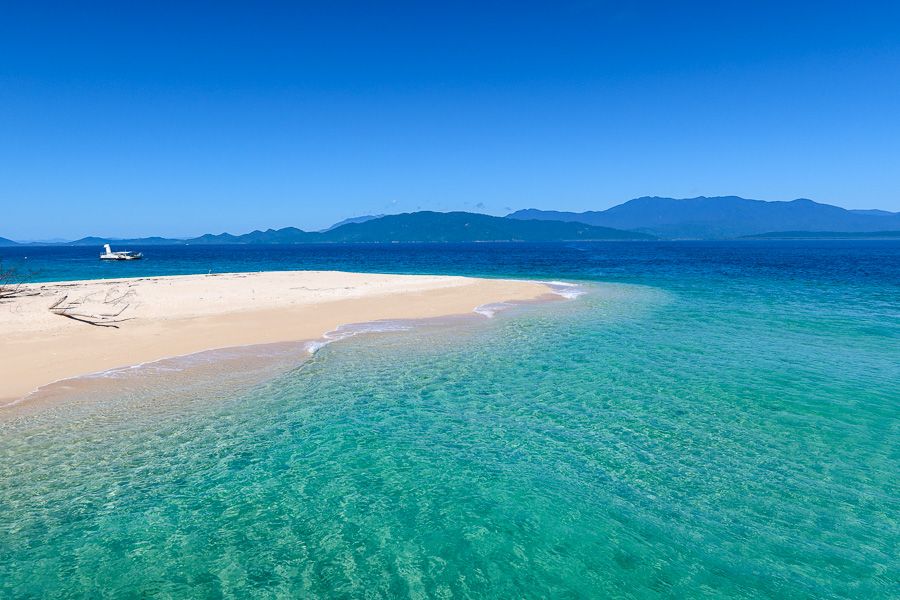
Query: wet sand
(62, 330)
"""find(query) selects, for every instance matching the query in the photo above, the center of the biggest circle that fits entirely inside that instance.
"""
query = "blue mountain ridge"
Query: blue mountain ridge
(423, 226)
(723, 217)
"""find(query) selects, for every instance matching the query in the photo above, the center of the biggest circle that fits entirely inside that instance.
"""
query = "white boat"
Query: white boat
(123, 255)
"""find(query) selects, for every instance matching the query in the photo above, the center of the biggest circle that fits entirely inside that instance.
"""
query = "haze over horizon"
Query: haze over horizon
(177, 121)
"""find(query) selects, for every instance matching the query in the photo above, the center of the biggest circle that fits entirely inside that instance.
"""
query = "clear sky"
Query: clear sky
(131, 118)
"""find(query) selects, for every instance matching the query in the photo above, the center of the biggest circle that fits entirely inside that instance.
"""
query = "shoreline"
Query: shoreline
(136, 321)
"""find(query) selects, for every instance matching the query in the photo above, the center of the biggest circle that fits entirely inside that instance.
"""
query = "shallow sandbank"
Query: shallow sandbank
(49, 336)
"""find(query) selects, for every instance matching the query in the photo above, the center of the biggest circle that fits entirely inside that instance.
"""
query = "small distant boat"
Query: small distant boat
(123, 255)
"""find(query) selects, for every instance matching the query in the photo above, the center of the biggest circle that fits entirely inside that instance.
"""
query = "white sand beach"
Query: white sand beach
(61, 330)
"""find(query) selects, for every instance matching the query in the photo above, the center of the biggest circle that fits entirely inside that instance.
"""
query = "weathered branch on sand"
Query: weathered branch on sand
(74, 309)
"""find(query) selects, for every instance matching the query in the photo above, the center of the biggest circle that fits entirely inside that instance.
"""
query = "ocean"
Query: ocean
(707, 420)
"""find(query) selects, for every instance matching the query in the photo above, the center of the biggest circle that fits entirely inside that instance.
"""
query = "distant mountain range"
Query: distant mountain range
(723, 217)
(361, 219)
(424, 226)
(427, 226)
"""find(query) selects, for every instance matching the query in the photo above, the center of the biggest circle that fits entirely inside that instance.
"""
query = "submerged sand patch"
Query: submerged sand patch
(73, 328)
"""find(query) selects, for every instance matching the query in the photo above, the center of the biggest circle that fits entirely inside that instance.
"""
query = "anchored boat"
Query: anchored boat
(122, 255)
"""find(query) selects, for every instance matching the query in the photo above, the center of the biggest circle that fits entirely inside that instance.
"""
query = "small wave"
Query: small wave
(347, 331)
(565, 289)
(156, 366)
(14, 402)
(489, 310)
(182, 362)
(560, 288)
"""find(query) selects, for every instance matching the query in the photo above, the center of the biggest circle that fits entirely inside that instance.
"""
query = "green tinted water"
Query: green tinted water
(635, 442)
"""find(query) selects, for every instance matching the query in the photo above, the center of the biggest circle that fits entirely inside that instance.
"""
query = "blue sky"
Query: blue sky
(133, 118)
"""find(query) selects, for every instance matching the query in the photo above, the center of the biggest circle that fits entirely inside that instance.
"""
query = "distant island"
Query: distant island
(723, 217)
(647, 218)
(424, 226)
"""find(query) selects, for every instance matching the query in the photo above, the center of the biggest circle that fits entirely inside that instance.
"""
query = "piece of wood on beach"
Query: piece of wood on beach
(67, 308)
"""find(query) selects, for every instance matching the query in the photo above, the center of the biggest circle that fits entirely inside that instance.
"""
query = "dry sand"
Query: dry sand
(158, 317)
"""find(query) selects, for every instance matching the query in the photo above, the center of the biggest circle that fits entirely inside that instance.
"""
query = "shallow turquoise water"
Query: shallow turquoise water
(725, 433)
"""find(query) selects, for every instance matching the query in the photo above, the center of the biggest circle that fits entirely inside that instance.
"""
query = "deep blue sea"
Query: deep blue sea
(709, 420)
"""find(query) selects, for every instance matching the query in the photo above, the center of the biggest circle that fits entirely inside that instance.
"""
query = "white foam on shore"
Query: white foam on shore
(348, 331)
(489, 310)
(565, 289)
(182, 362)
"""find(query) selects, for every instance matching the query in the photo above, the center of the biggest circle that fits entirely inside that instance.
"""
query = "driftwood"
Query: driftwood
(11, 285)
(106, 313)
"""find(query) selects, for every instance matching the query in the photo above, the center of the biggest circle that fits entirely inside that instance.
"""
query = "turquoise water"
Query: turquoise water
(715, 423)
